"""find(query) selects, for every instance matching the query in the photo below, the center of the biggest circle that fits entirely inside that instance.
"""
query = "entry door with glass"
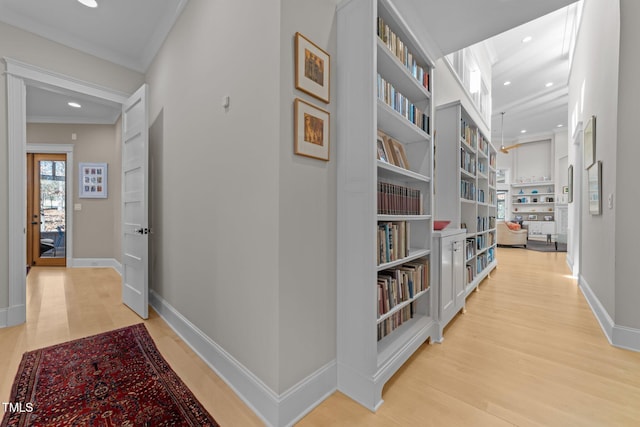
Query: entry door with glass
(46, 209)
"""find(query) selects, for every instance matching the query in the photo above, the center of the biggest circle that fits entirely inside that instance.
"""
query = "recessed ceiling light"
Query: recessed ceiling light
(523, 131)
(549, 84)
(560, 125)
(507, 83)
(527, 39)
(74, 105)
(89, 3)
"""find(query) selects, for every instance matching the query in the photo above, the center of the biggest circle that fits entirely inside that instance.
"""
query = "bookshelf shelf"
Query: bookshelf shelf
(460, 141)
(534, 203)
(372, 347)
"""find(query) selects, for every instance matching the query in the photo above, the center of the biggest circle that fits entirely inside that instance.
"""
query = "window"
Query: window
(502, 204)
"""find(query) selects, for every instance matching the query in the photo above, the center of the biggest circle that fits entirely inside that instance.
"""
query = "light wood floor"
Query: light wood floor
(529, 352)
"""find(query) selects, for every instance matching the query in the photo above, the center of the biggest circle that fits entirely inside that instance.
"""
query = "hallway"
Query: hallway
(528, 352)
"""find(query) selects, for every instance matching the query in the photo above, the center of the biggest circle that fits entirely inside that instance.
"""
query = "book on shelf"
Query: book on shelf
(399, 285)
(401, 104)
(469, 248)
(467, 190)
(468, 134)
(393, 241)
(400, 50)
(470, 274)
(467, 161)
(395, 199)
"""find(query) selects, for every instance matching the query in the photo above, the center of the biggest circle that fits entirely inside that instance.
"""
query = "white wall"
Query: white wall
(219, 195)
(627, 203)
(447, 89)
(307, 295)
(596, 66)
(32, 49)
(244, 242)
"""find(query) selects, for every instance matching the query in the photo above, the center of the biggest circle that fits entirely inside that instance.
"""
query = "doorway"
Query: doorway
(46, 209)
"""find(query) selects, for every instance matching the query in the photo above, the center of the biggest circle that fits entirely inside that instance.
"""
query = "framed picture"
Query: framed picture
(532, 217)
(312, 68)
(589, 137)
(93, 181)
(570, 184)
(400, 154)
(381, 150)
(311, 127)
(594, 188)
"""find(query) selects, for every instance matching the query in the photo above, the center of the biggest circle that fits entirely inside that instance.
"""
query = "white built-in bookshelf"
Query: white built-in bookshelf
(465, 188)
(534, 203)
(385, 301)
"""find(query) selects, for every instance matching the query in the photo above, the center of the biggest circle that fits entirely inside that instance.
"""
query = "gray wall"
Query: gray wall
(96, 228)
(217, 194)
(595, 66)
(29, 48)
(307, 224)
(244, 242)
(627, 204)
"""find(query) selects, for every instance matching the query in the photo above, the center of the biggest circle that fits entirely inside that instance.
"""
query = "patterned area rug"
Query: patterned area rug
(117, 378)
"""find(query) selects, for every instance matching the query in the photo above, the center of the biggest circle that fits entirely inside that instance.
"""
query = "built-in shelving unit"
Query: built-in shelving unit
(534, 203)
(465, 188)
(385, 301)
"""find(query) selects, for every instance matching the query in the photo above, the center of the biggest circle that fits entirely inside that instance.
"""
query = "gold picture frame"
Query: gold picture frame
(311, 127)
(313, 68)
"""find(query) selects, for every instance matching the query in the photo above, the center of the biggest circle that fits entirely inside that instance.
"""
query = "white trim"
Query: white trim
(606, 322)
(68, 150)
(617, 335)
(4, 315)
(275, 410)
(74, 120)
(97, 263)
(18, 74)
(627, 338)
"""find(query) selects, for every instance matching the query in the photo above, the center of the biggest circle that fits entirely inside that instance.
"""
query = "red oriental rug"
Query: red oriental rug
(117, 378)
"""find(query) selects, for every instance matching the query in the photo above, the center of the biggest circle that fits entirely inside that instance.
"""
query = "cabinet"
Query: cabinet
(383, 85)
(448, 273)
(465, 188)
(534, 204)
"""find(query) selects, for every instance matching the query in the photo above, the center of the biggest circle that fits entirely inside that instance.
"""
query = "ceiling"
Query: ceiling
(129, 33)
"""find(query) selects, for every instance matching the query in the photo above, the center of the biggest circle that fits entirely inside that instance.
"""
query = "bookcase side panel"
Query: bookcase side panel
(447, 165)
(357, 194)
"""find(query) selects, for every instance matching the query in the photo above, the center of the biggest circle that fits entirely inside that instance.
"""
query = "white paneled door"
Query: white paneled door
(135, 213)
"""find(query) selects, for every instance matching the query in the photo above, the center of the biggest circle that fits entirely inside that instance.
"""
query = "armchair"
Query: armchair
(509, 237)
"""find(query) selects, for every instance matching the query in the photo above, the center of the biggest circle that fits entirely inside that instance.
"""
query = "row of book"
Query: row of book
(393, 241)
(469, 249)
(391, 323)
(492, 160)
(401, 51)
(468, 134)
(482, 167)
(401, 284)
(483, 144)
(400, 103)
(485, 240)
(486, 223)
(395, 199)
(467, 161)
(485, 259)
(481, 196)
(471, 274)
(468, 190)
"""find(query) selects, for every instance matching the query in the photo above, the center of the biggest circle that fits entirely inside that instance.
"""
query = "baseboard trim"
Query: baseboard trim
(275, 410)
(617, 335)
(4, 316)
(97, 263)
(603, 318)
